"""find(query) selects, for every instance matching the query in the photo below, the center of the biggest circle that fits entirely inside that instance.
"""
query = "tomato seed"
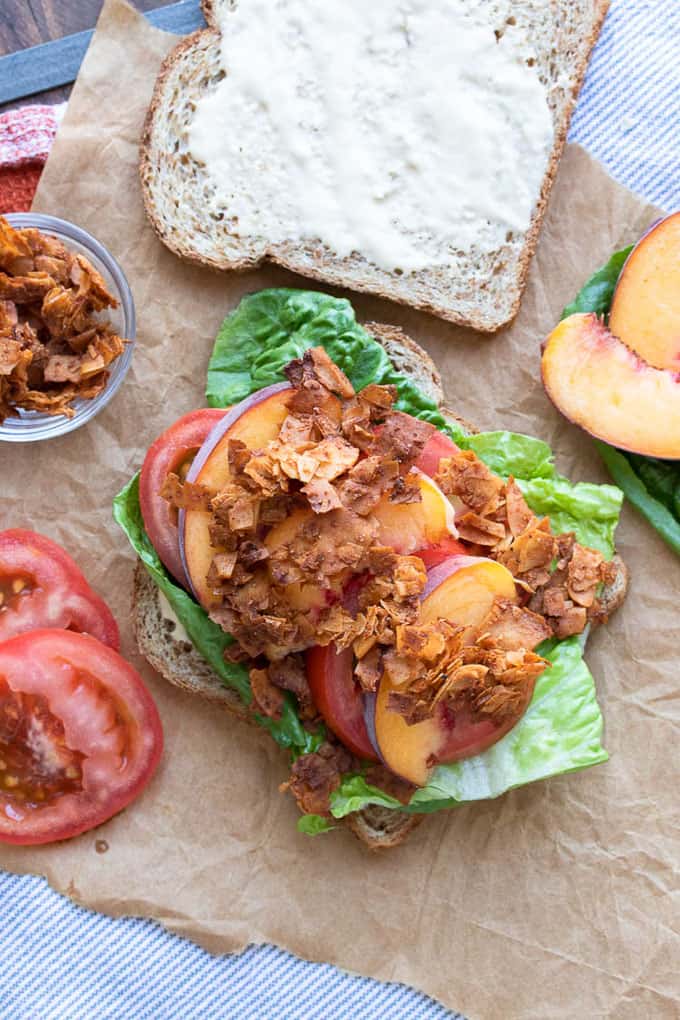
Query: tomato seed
(11, 781)
(18, 585)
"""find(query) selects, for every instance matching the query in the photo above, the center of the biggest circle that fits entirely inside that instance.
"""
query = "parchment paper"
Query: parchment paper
(558, 900)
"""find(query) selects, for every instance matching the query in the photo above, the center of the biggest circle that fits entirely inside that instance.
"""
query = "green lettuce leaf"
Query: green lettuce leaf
(271, 327)
(560, 732)
(313, 825)
(510, 453)
(590, 511)
(207, 637)
(651, 485)
(597, 292)
(659, 516)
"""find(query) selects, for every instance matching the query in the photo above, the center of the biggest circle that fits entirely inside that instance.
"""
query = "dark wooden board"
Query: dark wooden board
(27, 74)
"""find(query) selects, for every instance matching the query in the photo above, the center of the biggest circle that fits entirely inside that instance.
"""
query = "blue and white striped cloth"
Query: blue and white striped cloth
(62, 963)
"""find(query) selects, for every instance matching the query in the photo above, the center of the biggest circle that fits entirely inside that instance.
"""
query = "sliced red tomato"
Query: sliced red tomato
(339, 698)
(173, 451)
(433, 555)
(80, 736)
(41, 586)
(468, 735)
(437, 446)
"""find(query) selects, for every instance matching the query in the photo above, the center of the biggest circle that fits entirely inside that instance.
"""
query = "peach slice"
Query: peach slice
(403, 526)
(645, 310)
(407, 527)
(606, 389)
(255, 421)
(462, 590)
(306, 596)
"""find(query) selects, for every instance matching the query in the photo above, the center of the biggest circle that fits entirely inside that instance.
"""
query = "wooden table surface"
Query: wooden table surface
(26, 23)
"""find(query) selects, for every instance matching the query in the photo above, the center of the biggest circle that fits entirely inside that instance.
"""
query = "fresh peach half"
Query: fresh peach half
(645, 311)
(255, 421)
(462, 590)
(601, 385)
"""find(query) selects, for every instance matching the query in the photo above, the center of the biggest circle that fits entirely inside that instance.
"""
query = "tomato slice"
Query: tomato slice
(173, 451)
(467, 735)
(80, 735)
(438, 445)
(433, 555)
(41, 586)
(339, 698)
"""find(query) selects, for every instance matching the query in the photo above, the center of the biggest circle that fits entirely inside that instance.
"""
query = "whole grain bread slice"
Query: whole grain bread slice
(175, 658)
(480, 291)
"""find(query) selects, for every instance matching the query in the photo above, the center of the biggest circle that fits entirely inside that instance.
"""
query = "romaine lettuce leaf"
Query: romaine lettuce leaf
(590, 511)
(510, 453)
(313, 825)
(269, 328)
(659, 516)
(597, 292)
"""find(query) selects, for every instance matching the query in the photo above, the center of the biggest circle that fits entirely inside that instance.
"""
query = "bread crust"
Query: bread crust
(179, 663)
(333, 275)
(558, 149)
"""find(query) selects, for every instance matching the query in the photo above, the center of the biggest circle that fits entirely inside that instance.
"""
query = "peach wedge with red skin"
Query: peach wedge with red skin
(605, 388)
(461, 590)
(645, 310)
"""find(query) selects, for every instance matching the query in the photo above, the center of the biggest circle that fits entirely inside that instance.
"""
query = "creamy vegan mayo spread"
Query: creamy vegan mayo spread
(404, 131)
(168, 613)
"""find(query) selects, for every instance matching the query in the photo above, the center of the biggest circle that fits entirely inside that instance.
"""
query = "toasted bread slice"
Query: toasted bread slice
(175, 658)
(476, 287)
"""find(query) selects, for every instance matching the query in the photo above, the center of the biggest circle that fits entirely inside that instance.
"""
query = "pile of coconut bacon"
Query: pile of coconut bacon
(324, 536)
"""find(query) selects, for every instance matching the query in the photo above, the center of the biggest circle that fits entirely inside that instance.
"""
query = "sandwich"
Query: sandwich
(407, 150)
(331, 554)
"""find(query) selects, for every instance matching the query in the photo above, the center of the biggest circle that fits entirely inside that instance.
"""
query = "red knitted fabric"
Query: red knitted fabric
(26, 136)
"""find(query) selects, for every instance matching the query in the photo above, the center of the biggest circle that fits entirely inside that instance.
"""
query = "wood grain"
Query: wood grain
(26, 23)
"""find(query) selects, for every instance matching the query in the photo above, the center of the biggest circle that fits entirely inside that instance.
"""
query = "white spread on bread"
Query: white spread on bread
(168, 613)
(403, 131)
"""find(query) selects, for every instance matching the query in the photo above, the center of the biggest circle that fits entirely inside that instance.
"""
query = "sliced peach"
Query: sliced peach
(606, 389)
(462, 590)
(307, 596)
(645, 311)
(255, 421)
(407, 527)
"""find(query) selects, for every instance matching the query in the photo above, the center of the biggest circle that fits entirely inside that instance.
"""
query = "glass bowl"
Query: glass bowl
(30, 426)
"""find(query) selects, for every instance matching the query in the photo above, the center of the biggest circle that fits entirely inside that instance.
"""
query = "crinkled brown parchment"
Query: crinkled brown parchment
(558, 900)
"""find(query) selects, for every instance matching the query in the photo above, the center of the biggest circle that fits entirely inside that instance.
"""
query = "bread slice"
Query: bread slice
(177, 660)
(480, 289)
